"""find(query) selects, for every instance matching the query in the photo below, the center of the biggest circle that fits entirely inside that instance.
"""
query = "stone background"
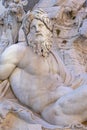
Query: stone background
(31, 4)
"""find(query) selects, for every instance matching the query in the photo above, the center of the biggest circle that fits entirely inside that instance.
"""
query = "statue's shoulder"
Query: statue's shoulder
(13, 52)
(15, 48)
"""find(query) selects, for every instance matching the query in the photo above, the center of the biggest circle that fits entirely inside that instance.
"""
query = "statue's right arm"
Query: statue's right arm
(9, 60)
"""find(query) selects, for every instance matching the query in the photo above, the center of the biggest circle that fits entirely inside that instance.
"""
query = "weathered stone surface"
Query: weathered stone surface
(2, 8)
(44, 74)
(30, 5)
(12, 122)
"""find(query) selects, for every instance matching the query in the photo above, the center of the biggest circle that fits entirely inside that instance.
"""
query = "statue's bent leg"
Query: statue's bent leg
(70, 109)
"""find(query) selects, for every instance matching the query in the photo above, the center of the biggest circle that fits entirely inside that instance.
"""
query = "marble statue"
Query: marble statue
(47, 81)
(43, 77)
(10, 23)
(6, 3)
(27, 4)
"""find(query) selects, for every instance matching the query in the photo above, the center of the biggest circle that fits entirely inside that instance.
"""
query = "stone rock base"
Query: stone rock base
(12, 122)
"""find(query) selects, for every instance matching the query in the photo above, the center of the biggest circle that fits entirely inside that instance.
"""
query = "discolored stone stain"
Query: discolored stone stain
(31, 4)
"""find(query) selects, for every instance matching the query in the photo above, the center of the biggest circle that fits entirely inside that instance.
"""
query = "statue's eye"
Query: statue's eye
(41, 25)
(41, 50)
(33, 27)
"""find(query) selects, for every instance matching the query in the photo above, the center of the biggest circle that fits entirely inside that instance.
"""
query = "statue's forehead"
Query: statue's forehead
(36, 21)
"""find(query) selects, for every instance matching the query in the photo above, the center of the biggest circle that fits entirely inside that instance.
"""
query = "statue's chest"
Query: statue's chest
(35, 64)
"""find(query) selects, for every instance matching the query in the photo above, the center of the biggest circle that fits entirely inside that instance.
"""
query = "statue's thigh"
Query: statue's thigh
(70, 108)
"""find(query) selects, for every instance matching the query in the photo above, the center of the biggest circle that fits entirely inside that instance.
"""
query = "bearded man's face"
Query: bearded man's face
(38, 31)
(39, 37)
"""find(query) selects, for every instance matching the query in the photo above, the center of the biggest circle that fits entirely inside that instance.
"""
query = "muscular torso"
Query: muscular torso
(35, 80)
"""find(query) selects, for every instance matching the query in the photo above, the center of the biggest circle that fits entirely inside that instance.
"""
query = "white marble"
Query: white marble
(43, 77)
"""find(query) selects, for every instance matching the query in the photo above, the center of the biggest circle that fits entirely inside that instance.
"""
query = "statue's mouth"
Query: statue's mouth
(39, 34)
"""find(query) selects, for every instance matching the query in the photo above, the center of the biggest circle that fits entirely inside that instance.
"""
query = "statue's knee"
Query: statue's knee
(51, 113)
(47, 112)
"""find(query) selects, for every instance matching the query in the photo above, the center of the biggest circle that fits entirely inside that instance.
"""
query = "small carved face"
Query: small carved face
(6, 2)
(38, 30)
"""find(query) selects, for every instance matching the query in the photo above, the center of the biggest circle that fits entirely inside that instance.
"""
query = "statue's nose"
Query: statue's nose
(37, 28)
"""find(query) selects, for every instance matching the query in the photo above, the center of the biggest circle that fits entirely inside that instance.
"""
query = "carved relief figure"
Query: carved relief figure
(38, 76)
(10, 22)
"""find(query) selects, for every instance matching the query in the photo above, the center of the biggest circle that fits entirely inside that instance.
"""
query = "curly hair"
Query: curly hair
(36, 14)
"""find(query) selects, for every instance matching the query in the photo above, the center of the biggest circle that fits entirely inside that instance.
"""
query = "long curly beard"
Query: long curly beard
(40, 45)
